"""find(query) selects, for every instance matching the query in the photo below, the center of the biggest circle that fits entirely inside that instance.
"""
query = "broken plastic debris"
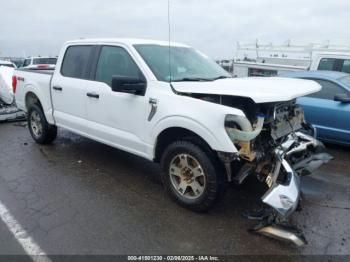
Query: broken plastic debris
(10, 113)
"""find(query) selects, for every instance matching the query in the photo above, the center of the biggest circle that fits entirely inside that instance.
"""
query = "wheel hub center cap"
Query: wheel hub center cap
(187, 174)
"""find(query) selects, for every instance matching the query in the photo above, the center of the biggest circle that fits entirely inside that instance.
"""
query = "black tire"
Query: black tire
(48, 132)
(215, 184)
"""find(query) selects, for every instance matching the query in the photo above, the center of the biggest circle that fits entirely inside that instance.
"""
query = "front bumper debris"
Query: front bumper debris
(299, 155)
(284, 198)
(313, 161)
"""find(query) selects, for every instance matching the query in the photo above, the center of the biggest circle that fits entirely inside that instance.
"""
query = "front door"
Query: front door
(117, 118)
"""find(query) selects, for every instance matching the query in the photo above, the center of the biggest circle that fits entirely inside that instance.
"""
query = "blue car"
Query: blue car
(329, 109)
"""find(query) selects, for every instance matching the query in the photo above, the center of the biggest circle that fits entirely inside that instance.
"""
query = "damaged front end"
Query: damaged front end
(278, 148)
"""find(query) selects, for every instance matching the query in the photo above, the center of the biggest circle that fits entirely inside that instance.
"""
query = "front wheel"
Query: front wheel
(192, 176)
(41, 131)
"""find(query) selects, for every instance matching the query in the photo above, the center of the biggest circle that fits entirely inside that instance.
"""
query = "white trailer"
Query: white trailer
(272, 60)
(245, 68)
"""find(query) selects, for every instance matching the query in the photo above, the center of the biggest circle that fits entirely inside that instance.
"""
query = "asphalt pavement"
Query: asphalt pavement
(78, 196)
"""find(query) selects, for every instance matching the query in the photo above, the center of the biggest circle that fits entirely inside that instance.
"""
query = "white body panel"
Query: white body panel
(7, 64)
(70, 104)
(38, 84)
(6, 93)
(121, 119)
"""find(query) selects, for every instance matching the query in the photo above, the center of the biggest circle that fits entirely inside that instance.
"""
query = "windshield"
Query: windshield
(345, 80)
(187, 64)
(45, 61)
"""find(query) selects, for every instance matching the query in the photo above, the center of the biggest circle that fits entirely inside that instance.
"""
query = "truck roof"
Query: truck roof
(128, 41)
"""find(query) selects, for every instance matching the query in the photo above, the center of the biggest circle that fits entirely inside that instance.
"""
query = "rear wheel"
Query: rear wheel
(41, 131)
(192, 176)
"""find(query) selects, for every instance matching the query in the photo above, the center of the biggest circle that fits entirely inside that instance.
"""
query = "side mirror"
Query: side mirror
(130, 85)
(343, 98)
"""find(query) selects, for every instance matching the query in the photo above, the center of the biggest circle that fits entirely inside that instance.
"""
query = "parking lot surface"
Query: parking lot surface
(78, 196)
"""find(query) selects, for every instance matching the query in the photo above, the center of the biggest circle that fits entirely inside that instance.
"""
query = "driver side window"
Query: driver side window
(115, 61)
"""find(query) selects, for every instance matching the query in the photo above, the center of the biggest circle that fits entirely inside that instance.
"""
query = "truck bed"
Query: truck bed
(36, 80)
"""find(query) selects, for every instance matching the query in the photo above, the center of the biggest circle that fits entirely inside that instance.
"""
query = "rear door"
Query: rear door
(117, 118)
(69, 85)
(331, 118)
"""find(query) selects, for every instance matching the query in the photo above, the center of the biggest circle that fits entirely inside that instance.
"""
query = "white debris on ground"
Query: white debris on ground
(10, 113)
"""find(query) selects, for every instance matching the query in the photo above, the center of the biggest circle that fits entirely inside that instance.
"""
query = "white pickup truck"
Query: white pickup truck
(204, 127)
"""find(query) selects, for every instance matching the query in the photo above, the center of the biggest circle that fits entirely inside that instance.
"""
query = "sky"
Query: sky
(40, 27)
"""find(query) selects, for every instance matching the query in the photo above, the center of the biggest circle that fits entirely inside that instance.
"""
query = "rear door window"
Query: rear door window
(76, 62)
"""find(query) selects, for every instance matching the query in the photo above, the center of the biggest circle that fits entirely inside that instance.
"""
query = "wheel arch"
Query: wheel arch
(30, 99)
(214, 137)
(34, 95)
(172, 134)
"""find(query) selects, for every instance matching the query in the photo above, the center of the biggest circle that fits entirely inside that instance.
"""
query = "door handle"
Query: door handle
(93, 95)
(57, 88)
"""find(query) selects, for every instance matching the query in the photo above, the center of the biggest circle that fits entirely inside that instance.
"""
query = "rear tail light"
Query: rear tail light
(14, 84)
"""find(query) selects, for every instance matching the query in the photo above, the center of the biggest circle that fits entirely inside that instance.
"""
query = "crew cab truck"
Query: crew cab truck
(170, 103)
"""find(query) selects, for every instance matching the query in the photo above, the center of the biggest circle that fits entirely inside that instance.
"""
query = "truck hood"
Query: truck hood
(259, 89)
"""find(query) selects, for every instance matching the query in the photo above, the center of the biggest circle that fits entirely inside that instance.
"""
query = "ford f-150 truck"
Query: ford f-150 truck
(170, 103)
